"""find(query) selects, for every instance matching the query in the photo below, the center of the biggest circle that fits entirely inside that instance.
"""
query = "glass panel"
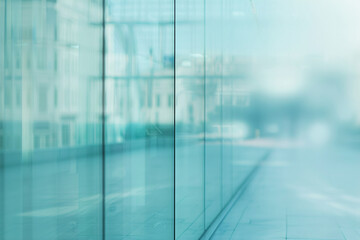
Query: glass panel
(139, 119)
(239, 25)
(50, 151)
(189, 119)
(226, 108)
(213, 110)
(231, 103)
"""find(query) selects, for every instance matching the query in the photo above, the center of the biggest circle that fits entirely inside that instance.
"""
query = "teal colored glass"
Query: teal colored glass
(189, 112)
(139, 112)
(213, 110)
(230, 61)
(50, 119)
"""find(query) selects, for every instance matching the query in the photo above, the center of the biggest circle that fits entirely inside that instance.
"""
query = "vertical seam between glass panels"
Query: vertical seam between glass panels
(2, 162)
(222, 112)
(103, 121)
(174, 2)
(204, 176)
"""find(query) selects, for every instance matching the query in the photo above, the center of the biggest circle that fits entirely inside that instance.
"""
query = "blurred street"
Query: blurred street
(299, 193)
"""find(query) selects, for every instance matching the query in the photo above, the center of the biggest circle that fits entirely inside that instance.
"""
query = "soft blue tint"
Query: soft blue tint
(190, 125)
(216, 133)
(50, 120)
(300, 69)
(186, 119)
(139, 113)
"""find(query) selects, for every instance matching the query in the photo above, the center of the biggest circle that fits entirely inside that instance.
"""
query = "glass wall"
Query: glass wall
(153, 146)
(139, 113)
(50, 119)
(217, 137)
(190, 124)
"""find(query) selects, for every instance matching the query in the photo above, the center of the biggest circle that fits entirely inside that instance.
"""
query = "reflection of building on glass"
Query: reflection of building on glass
(49, 99)
(45, 88)
(139, 71)
(43, 102)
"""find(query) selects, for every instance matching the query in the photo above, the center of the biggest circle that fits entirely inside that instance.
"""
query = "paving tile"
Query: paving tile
(295, 200)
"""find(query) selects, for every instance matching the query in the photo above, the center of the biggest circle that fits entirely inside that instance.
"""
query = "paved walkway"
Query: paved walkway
(299, 194)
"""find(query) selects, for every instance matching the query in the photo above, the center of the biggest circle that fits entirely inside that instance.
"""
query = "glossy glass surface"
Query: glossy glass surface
(50, 119)
(51, 135)
(193, 95)
(139, 90)
(190, 88)
(215, 127)
(299, 61)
